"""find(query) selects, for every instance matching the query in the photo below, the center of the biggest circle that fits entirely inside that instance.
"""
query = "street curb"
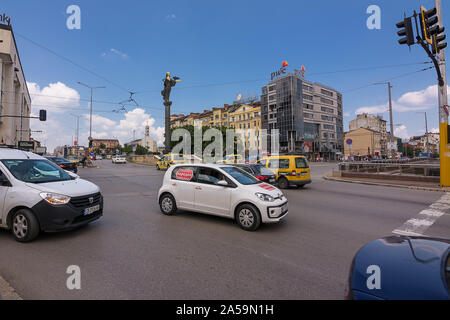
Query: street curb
(7, 292)
(384, 184)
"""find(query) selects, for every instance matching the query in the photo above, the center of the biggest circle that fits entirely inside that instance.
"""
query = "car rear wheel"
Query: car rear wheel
(25, 227)
(248, 217)
(157, 167)
(167, 204)
(283, 183)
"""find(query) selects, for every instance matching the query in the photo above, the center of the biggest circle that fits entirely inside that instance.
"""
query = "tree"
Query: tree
(102, 146)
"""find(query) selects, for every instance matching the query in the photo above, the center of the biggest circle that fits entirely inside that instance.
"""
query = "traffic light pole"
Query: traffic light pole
(443, 111)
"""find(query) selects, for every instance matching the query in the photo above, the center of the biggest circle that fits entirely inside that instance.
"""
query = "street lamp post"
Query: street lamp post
(90, 115)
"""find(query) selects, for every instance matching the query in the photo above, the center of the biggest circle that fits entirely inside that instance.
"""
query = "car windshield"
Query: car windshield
(240, 175)
(36, 171)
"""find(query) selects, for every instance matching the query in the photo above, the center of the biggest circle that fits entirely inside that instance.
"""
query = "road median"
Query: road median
(389, 183)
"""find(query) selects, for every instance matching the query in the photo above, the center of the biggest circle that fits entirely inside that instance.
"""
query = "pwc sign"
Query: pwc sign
(279, 72)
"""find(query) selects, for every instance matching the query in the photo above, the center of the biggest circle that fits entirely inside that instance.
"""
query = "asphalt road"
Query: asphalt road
(135, 252)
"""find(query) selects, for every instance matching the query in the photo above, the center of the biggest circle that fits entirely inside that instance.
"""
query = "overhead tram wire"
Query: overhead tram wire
(311, 74)
(396, 77)
(71, 61)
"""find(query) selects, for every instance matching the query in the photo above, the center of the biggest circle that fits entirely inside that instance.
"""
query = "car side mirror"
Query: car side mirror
(222, 183)
(4, 182)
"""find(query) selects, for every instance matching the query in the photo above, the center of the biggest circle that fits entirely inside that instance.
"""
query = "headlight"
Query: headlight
(264, 197)
(54, 198)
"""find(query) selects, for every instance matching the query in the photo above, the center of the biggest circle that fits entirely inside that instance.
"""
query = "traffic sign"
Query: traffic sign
(349, 141)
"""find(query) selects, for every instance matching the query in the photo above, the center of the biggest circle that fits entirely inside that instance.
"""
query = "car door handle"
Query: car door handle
(198, 188)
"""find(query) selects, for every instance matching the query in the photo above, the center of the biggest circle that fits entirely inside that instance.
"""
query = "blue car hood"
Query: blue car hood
(410, 268)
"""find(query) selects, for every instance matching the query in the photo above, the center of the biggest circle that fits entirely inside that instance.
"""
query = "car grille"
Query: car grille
(84, 201)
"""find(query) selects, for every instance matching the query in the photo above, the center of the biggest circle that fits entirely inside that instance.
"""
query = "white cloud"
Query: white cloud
(410, 101)
(401, 132)
(115, 52)
(435, 130)
(135, 120)
(54, 95)
(171, 16)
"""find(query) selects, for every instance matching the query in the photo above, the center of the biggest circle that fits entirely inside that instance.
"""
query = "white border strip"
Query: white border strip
(7, 292)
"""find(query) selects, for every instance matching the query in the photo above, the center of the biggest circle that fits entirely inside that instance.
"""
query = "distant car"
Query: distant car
(98, 157)
(108, 156)
(64, 164)
(221, 190)
(259, 171)
(119, 159)
(168, 160)
(408, 268)
(290, 170)
(73, 159)
(232, 158)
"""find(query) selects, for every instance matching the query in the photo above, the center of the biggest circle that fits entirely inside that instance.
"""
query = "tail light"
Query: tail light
(262, 178)
(62, 166)
(294, 173)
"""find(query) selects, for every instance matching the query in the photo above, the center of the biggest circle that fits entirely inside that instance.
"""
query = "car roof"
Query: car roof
(208, 165)
(284, 156)
(15, 154)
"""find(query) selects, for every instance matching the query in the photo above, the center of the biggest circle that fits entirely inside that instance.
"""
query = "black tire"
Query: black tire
(283, 183)
(248, 217)
(157, 168)
(167, 204)
(24, 226)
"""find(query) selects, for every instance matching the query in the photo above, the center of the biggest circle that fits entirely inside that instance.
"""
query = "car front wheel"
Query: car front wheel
(167, 204)
(248, 217)
(283, 183)
(25, 227)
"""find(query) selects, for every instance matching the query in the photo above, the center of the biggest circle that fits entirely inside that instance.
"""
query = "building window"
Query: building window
(328, 110)
(264, 90)
(272, 88)
(307, 88)
(327, 118)
(308, 115)
(272, 97)
(328, 127)
(326, 92)
(327, 101)
(308, 106)
(307, 97)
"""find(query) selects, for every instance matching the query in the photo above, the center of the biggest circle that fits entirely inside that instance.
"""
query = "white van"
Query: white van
(37, 195)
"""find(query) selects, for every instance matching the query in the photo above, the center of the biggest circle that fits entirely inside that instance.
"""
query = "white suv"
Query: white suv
(221, 190)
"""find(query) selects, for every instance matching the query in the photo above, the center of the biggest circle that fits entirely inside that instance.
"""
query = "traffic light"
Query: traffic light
(407, 32)
(42, 115)
(428, 23)
(438, 45)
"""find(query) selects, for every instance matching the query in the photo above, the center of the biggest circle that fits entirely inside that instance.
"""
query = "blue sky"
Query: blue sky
(133, 43)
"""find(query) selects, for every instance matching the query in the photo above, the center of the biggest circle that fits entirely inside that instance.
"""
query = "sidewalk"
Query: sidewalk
(6, 292)
(415, 185)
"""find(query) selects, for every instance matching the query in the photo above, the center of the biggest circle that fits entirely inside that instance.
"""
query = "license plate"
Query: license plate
(304, 173)
(91, 210)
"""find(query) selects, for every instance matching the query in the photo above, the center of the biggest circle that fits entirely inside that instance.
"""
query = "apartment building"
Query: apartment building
(364, 143)
(309, 116)
(15, 99)
(372, 122)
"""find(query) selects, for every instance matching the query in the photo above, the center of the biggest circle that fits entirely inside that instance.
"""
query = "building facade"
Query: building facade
(375, 123)
(364, 143)
(146, 142)
(309, 116)
(14, 96)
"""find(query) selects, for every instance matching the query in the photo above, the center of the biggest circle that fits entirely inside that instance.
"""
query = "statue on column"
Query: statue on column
(168, 84)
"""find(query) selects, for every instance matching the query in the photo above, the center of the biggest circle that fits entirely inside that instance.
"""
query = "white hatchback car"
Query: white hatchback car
(119, 159)
(221, 190)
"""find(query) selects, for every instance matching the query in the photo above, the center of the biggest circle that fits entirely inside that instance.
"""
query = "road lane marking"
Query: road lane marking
(426, 218)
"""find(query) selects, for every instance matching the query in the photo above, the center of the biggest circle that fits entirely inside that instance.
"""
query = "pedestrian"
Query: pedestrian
(83, 161)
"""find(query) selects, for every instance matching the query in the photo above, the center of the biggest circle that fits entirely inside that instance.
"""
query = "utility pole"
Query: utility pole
(427, 146)
(391, 124)
(90, 115)
(443, 110)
